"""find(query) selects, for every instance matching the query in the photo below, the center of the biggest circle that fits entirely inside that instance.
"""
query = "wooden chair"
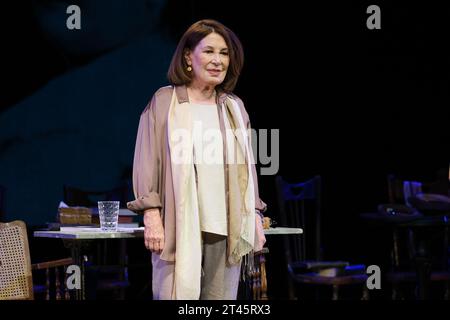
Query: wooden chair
(253, 284)
(397, 187)
(16, 280)
(300, 206)
(259, 277)
(411, 243)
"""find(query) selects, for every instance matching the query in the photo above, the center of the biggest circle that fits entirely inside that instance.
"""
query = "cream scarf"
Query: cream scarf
(241, 201)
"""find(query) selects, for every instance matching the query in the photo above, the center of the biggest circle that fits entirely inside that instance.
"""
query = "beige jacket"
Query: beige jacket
(152, 174)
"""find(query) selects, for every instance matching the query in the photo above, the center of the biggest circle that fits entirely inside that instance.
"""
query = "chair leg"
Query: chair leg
(397, 293)
(292, 290)
(394, 295)
(257, 283)
(57, 284)
(47, 284)
(335, 292)
(263, 278)
(66, 290)
(447, 291)
(365, 293)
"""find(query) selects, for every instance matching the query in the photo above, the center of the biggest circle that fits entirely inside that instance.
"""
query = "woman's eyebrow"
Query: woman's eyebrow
(211, 47)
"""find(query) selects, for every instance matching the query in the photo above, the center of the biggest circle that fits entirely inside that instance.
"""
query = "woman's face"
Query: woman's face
(209, 60)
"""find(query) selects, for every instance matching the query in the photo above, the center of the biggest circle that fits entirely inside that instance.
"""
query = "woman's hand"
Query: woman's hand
(260, 238)
(153, 231)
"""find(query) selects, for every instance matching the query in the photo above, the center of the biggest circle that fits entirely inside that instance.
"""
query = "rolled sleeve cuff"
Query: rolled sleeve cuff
(145, 202)
(260, 206)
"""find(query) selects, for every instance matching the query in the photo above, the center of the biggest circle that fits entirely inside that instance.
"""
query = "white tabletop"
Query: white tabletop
(122, 233)
(282, 230)
(91, 233)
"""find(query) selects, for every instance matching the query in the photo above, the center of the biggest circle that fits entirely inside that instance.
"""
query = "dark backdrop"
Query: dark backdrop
(351, 104)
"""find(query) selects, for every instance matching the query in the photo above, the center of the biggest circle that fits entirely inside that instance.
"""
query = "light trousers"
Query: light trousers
(219, 281)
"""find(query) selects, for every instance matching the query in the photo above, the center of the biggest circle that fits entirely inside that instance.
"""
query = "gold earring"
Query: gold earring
(189, 68)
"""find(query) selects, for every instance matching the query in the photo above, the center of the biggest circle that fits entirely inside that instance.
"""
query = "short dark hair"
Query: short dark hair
(178, 75)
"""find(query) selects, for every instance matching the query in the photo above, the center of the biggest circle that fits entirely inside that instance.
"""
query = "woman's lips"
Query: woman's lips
(214, 72)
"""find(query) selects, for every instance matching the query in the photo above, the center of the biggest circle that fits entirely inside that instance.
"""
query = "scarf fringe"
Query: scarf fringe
(248, 269)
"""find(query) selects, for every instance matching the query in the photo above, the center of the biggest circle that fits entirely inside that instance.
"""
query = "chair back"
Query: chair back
(16, 281)
(300, 207)
(400, 190)
(406, 239)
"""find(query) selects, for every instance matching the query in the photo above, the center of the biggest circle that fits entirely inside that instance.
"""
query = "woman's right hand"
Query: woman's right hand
(153, 231)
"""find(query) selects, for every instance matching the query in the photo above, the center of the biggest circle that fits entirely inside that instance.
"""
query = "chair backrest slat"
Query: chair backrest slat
(299, 205)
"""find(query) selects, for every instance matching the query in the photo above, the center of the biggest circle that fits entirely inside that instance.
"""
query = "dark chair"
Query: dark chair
(400, 189)
(300, 206)
(253, 281)
(104, 272)
(16, 279)
(420, 247)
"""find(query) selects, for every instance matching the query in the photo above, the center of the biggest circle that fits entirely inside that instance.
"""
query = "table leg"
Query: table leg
(80, 260)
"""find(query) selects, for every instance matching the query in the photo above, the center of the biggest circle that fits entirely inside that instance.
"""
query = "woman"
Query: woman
(199, 208)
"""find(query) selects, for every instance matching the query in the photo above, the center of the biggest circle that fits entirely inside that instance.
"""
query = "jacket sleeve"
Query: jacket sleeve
(260, 206)
(146, 164)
